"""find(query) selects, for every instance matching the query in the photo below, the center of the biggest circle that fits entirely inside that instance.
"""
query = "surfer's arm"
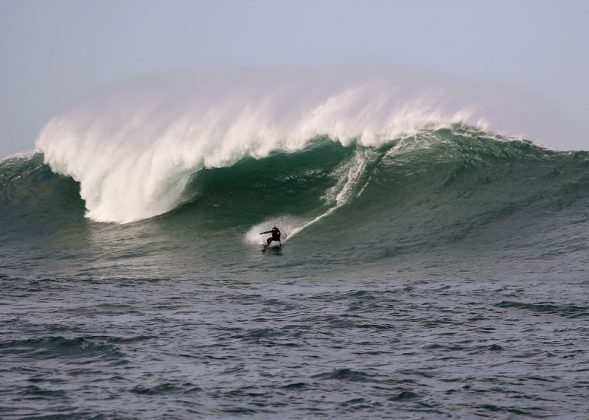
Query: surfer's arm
(268, 231)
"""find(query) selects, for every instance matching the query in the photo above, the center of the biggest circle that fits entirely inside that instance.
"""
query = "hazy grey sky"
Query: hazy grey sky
(55, 51)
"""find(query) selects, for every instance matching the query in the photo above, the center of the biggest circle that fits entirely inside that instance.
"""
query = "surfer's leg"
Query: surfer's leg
(269, 240)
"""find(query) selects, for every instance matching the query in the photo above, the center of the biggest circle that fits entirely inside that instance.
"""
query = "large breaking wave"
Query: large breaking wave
(134, 152)
(457, 188)
(394, 168)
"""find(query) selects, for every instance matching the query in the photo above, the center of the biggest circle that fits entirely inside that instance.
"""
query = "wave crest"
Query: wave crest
(134, 152)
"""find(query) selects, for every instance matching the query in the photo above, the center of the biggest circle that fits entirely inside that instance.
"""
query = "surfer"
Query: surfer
(275, 236)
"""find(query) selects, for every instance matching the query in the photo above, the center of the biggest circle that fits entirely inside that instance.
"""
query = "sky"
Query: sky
(54, 52)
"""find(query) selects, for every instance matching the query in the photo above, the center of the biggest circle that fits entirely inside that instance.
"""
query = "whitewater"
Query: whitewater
(134, 153)
(432, 267)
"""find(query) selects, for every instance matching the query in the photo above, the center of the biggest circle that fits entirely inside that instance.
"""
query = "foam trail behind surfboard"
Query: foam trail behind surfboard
(339, 195)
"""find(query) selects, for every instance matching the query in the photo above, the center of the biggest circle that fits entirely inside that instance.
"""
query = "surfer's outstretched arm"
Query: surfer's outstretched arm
(268, 231)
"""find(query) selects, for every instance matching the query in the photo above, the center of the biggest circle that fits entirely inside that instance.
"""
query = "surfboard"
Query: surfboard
(273, 245)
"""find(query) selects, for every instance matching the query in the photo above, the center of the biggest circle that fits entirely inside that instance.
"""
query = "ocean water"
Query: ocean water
(432, 275)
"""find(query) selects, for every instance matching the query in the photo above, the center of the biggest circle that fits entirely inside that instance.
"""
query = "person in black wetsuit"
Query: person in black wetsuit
(275, 236)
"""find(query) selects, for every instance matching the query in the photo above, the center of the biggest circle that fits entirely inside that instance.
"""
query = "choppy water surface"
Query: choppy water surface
(285, 345)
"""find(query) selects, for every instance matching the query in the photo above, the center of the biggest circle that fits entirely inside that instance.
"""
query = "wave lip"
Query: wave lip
(134, 160)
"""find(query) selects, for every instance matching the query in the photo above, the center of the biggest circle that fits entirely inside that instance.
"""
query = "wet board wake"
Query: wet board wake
(274, 246)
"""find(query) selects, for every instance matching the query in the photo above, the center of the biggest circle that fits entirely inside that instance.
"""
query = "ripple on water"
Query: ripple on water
(344, 374)
(566, 310)
(59, 347)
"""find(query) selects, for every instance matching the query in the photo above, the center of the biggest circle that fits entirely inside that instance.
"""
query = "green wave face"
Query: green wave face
(457, 187)
(30, 193)
(253, 189)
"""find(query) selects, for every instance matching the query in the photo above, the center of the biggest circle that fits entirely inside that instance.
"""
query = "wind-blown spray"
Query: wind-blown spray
(134, 152)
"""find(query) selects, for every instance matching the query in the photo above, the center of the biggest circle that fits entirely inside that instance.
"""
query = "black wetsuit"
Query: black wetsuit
(275, 235)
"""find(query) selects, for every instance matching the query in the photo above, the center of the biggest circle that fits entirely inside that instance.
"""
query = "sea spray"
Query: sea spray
(133, 154)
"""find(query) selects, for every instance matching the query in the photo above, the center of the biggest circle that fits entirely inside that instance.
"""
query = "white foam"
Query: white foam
(349, 176)
(287, 224)
(134, 152)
